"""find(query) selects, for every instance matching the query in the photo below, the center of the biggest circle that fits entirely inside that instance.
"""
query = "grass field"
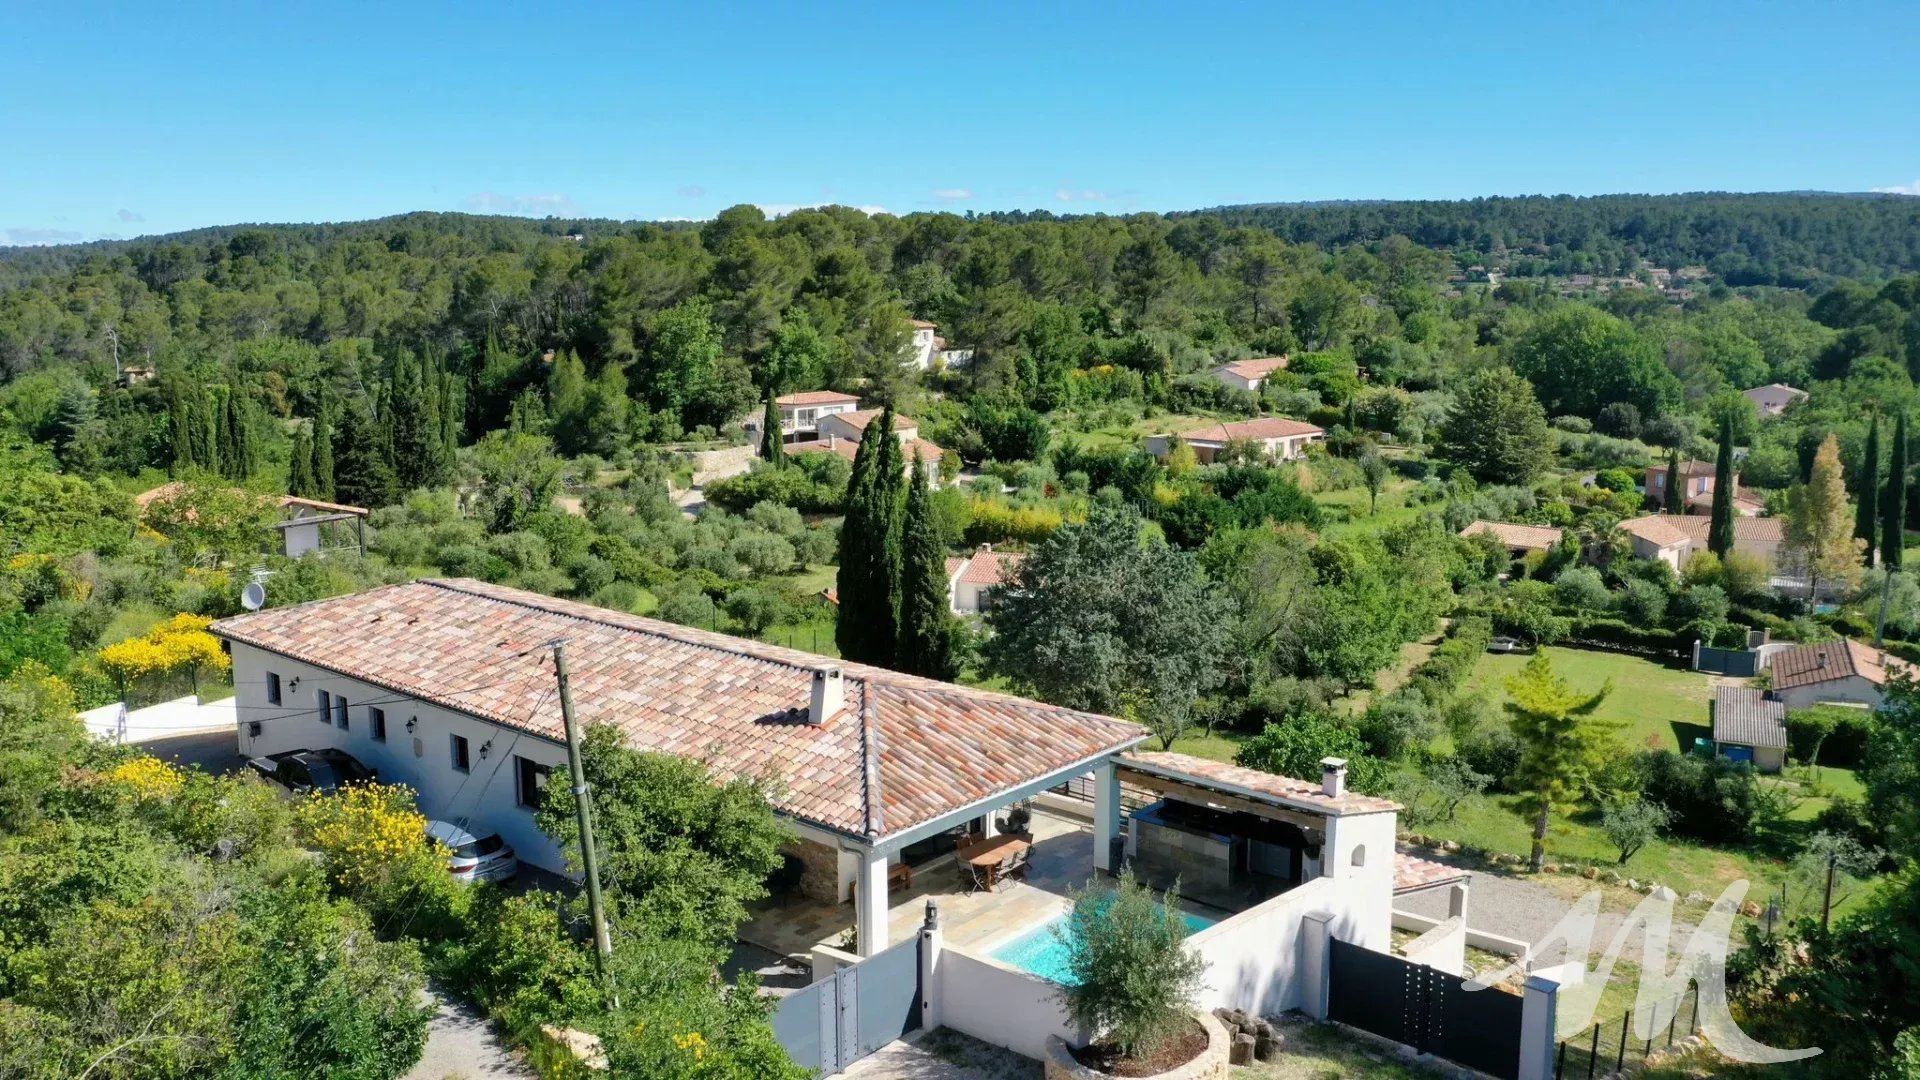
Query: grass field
(1657, 706)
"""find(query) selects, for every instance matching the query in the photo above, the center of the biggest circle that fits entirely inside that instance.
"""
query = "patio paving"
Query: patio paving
(943, 1054)
(1061, 860)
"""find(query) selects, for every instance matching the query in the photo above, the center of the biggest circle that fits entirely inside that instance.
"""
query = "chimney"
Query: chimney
(829, 694)
(1333, 777)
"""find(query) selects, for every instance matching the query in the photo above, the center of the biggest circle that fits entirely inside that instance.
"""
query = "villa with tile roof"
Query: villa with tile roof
(1517, 539)
(972, 580)
(1249, 375)
(1276, 436)
(800, 413)
(1676, 539)
(840, 433)
(1844, 671)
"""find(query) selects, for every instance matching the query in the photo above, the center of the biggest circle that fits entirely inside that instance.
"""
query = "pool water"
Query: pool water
(1038, 952)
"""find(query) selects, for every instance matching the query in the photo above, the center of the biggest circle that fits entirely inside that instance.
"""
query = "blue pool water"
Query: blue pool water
(1038, 952)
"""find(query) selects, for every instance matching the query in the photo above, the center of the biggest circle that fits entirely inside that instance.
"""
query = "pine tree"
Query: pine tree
(773, 445)
(1866, 521)
(1720, 529)
(180, 431)
(300, 464)
(1676, 499)
(324, 487)
(929, 634)
(363, 475)
(1893, 505)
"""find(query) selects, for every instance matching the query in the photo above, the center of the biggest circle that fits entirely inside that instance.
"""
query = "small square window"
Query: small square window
(530, 782)
(326, 705)
(340, 713)
(459, 753)
(377, 724)
(273, 688)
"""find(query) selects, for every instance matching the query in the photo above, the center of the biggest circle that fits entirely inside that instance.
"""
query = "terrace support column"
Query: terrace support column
(1106, 815)
(870, 903)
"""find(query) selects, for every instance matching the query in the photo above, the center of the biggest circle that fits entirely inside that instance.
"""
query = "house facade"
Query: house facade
(1774, 398)
(1248, 375)
(449, 687)
(1842, 672)
(972, 581)
(924, 344)
(840, 433)
(1696, 478)
(800, 413)
(1676, 539)
(1276, 437)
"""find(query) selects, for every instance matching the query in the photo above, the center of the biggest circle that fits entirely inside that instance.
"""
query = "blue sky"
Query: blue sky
(132, 119)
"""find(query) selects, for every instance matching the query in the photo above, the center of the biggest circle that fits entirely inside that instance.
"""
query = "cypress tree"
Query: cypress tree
(773, 445)
(323, 480)
(869, 581)
(854, 629)
(1720, 529)
(1866, 520)
(363, 473)
(928, 631)
(300, 463)
(1893, 505)
(180, 430)
(206, 433)
(413, 417)
(1676, 500)
(239, 456)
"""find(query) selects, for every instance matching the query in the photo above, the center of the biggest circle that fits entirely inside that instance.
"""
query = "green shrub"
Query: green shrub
(1130, 978)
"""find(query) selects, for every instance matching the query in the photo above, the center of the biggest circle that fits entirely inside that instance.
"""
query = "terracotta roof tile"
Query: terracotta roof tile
(905, 750)
(1266, 427)
(986, 566)
(1806, 665)
(1537, 537)
(1412, 873)
(1256, 368)
(815, 397)
(1234, 779)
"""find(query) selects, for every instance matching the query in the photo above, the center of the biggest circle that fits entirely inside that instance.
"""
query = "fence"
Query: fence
(1611, 1045)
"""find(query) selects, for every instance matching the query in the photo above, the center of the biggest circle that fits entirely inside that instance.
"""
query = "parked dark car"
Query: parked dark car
(301, 771)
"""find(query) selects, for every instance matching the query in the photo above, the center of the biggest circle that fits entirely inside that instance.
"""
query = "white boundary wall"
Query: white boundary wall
(1001, 1006)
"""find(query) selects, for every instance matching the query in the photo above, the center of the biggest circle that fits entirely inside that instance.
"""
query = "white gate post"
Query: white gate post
(930, 942)
(1316, 968)
(1537, 1036)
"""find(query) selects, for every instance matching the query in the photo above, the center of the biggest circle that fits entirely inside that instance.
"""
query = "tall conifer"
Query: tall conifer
(1893, 506)
(300, 463)
(929, 639)
(323, 480)
(1676, 497)
(180, 430)
(1720, 528)
(1866, 518)
(773, 445)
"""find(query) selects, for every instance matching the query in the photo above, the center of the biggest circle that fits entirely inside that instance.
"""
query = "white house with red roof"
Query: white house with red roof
(1249, 375)
(1276, 437)
(840, 433)
(800, 413)
(971, 581)
(924, 345)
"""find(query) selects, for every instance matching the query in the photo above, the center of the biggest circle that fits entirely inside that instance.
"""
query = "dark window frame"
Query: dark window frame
(524, 770)
(461, 752)
(326, 706)
(377, 724)
(340, 707)
(273, 688)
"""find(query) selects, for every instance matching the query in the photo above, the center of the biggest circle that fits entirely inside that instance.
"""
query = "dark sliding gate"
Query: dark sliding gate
(1425, 1008)
(855, 1011)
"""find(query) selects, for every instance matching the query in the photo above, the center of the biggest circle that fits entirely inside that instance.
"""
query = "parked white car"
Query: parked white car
(475, 858)
(1503, 644)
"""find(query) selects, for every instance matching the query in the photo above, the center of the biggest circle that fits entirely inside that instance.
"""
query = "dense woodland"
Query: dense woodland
(516, 400)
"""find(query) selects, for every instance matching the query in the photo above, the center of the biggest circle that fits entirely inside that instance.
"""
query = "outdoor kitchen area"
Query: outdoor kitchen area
(1227, 859)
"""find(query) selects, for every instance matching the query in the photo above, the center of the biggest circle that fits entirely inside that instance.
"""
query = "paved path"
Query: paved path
(460, 1043)
(217, 752)
(943, 1054)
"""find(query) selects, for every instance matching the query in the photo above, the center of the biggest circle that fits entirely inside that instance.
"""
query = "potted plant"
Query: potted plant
(1132, 982)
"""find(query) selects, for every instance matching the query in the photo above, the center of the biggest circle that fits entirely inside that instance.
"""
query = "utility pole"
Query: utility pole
(583, 807)
(1826, 906)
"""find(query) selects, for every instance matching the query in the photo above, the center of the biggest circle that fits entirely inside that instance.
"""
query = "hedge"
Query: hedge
(1618, 636)
(1453, 660)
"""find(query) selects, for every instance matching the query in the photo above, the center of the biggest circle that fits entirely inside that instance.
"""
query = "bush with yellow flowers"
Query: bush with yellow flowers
(180, 642)
(149, 778)
(373, 848)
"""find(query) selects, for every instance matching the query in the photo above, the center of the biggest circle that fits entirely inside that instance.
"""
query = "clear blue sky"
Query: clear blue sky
(127, 119)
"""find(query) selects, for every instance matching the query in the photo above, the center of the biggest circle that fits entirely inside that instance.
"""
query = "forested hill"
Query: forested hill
(1793, 239)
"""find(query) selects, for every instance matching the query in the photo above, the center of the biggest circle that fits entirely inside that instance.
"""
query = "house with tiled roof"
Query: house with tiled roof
(800, 412)
(1774, 398)
(1843, 671)
(972, 580)
(1516, 538)
(1276, 437)
(1750, 726)
(1696, 478)
(923, 343)
(1249, 375)
(1676, 539)
(840, 434)
(449, 687)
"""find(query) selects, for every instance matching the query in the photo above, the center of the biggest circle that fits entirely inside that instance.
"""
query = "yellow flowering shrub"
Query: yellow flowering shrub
(149, 777)
(180, 642)
(366, 833)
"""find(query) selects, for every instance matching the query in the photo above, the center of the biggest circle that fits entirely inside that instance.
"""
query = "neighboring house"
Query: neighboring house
(305, 525)
(1249, 375)
(1277, 437)
(1702, 504)
(852, 424)
(972, 581)
(840, 433)
(924, 346)
(1518, 539)
(1696, 478)
(448, 687)
(1749, 726)
(800, 413)
(1676, 539)
(1774, 398)
(135, 376)
(1842, 671)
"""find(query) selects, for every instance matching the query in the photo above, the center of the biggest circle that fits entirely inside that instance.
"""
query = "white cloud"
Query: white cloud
(779, 209)
(1900, 189)
(30, 236)
(952, 194)
(538, 205)
(128, 215)
(1070, 195)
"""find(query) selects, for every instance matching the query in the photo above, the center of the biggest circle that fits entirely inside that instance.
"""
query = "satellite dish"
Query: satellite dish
(254, 596)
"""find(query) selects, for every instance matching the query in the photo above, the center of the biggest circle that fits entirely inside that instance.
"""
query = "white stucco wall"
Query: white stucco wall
(1358, 858)
(1001, 1006)
(1236, 381)
(421, 759)
(1255, 959)
(1851, 690)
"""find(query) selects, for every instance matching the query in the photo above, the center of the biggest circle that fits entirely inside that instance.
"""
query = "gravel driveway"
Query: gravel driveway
(1514, 907)
(460, 1043)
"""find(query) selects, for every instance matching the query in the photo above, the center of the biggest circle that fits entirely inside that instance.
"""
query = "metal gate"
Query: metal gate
(855, 1011)
(1425, 1008)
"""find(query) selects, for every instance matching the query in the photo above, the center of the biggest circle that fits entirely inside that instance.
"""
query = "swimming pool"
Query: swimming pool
(1038, 952)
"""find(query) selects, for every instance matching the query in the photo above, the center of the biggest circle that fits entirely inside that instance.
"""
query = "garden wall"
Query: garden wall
(1254, 959)
(1001, 1006)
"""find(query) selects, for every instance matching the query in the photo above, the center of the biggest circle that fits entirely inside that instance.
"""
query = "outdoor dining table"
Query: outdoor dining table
(986, 855)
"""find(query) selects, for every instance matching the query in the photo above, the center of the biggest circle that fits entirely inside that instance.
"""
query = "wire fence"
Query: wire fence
(1608, 1046)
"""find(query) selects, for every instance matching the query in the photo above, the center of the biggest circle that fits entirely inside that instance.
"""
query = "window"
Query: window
(459, 752)
(273, 688)
(340, 712)
(377, 723)
(530, 782)
(326, 705)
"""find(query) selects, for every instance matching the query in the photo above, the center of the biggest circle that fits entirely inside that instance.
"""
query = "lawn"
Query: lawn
(1321, 1051)
(1658, 706)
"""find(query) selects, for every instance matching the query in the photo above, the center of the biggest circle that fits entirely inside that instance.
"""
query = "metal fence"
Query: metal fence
(1611, 1045)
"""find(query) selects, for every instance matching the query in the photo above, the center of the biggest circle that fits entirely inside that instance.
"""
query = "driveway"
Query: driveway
(215, 751)
(461, 1044)
(1514, 907)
